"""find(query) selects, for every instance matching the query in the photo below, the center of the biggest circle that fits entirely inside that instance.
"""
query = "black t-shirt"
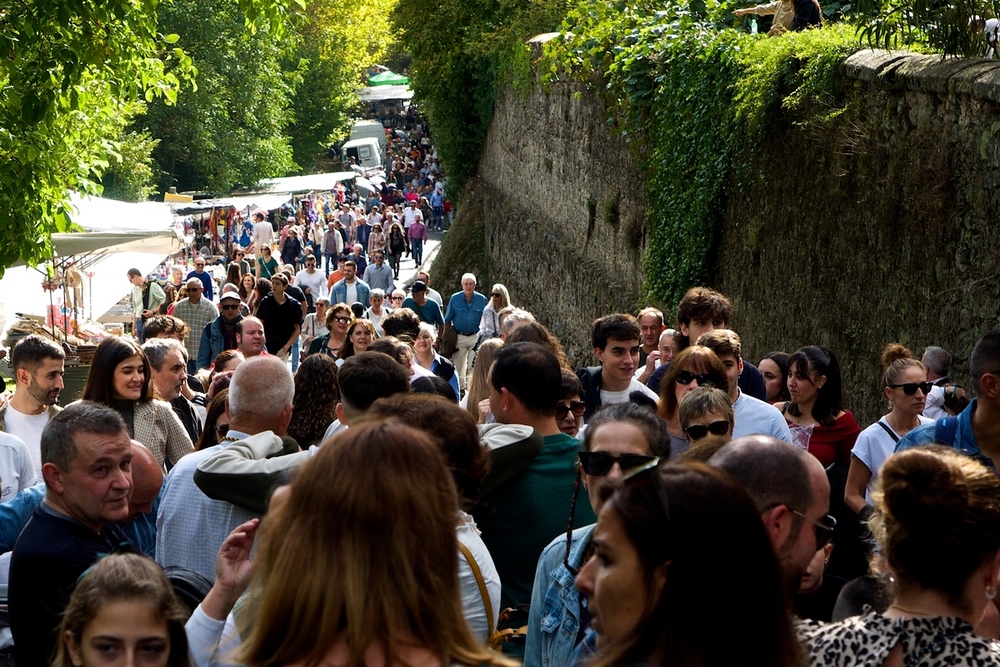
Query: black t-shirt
(279, 320)
(49, 556)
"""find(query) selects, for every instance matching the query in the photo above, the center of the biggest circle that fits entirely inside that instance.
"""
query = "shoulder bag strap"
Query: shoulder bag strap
(485, 594)
(892, 434)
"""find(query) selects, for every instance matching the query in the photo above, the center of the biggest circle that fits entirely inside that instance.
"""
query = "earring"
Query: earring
(991, 592)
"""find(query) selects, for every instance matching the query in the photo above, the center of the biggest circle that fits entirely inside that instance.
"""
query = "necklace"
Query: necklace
(913, 612)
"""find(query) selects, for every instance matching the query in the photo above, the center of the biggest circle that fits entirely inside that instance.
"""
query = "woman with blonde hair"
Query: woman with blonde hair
(938, 526)
(360, 565)
(479, 389)
(905, 384)
(489, 324)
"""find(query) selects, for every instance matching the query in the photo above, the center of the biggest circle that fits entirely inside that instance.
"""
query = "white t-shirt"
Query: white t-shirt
(352, 292)
(873, 446)
(16, 471)
(609, 397)
(29, 429)
(315, 281)
(934, 406)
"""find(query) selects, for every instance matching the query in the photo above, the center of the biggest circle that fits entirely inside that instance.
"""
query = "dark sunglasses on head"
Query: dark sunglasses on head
(699, 431)
(823, 528)
(687, 377)
(599, 464)
(910, 388)
(575, 407)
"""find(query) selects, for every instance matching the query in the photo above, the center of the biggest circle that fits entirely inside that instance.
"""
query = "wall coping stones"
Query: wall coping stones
(895, 70)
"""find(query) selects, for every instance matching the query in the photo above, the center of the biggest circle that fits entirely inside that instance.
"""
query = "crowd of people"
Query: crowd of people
(407, 506)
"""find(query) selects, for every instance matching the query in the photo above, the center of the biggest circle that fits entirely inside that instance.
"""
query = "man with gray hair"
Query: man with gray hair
(790, 489)
(196, 312)
(86, 464)
(937, 361)
(190, 527)
(465, 312)
(168, 366)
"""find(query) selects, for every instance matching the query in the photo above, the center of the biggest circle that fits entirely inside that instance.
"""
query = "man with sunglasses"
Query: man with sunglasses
(220, 333)
(752, 415)
(378, 274)
(520, 516)
(615, 339)
(790, 489)
(976, 430)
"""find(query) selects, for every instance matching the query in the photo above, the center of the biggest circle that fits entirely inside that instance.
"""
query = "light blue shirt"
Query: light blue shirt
(465, 315)
(964, 440)
(190, 526)
(754, 416)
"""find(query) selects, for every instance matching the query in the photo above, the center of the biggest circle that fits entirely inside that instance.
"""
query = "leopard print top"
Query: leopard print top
(867, 640)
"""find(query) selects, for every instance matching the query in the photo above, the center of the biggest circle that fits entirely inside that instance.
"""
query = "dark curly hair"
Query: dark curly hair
(316, 396)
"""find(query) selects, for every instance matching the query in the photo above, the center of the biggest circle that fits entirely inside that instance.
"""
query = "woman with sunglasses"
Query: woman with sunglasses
(489, 323)
(905, 385)
(396, 246)
(619, 438)
(570, 408)
(696, 366)
(939, 529)
(338, 320)
(706, 411)
(267, 266)
(663, 563)
(216, 422)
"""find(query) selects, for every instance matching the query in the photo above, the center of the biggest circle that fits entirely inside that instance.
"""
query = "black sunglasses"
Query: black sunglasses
(233, 307)
(699, 431)
(341, 319)
(222, 429)
(910, 388)
(687, 377)
(575, 407)
(599, 464)
(497, 295)
(823, 529)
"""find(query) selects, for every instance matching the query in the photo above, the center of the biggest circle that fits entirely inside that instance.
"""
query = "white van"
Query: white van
(366, 153)
(365, 129)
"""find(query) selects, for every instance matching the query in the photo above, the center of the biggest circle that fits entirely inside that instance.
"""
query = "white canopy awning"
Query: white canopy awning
(308, 183)
(262, 202)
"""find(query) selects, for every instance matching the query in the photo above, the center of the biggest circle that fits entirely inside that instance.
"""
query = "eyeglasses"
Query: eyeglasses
(397, 298)
(687, 377)
(824, 530)
(222, 429)
(699, 431)
(310, 263)
(497, 295)
(599, 464)
(341, 319)
(575, 407)
(235, 306)
(910, 388)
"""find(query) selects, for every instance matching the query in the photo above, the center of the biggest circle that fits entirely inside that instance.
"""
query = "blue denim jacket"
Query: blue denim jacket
(964, 440)
(554, 616)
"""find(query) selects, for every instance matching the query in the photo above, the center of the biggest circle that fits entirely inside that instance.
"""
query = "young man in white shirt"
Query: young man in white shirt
(38, 365)
(615, 339)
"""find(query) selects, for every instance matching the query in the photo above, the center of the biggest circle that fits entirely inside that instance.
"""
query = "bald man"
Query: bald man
(139, 526)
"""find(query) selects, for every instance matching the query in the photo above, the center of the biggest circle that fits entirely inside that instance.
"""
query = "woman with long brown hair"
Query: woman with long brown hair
(359, 566)
(696, 366)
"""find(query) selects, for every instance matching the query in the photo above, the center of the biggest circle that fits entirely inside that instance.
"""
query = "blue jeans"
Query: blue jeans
(331, 263)
(417, 247)
(295, 355)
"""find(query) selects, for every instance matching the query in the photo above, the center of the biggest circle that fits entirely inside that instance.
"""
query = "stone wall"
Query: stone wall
(878, 226)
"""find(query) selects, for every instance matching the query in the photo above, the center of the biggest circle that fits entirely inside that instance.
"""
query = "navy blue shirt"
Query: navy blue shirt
(465, 315)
